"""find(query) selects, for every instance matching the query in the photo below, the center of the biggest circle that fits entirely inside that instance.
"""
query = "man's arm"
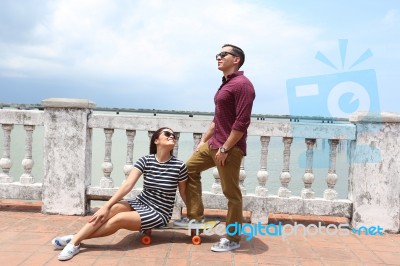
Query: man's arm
(233, 138)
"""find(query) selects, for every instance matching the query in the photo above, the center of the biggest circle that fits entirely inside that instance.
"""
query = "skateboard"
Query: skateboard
(194, 232)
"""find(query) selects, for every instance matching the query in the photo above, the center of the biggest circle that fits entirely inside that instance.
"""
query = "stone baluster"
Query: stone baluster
(308, 177)
(150, 134)
(285, 176)
(27, 162)
(331, 179)
(196, 138)
(262, 174)
(242, 177)
(5, 161)
(130, 134)
(216, 186)
(107, 166)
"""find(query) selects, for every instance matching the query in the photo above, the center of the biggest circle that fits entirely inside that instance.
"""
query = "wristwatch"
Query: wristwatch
(223, 150)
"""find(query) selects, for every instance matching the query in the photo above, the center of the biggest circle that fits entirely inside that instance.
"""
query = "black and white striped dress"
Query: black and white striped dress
(155, 203)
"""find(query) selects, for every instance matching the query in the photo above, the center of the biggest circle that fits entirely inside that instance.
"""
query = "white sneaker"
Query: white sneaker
(61, 241)
(68, 252)
(194, 224)
(225, 244)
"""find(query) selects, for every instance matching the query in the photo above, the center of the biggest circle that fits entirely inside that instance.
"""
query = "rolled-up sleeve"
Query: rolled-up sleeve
(244, 98)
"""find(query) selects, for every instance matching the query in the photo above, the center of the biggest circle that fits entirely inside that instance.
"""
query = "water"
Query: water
(141, 147)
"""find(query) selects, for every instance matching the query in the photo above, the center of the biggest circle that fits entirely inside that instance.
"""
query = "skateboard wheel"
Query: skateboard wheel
(196, 240)
(146, 240)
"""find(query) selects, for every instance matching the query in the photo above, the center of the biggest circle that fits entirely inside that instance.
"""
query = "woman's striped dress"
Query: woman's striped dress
(155, 203)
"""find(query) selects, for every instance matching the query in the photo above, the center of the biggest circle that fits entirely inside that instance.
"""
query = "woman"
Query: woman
(162, 172)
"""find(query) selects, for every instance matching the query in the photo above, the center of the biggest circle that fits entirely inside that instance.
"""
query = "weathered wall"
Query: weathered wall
(66, 156)
(374, 171)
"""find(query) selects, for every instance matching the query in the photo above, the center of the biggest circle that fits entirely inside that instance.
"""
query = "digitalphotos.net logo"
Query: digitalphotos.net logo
(336, 95)
(279, 230)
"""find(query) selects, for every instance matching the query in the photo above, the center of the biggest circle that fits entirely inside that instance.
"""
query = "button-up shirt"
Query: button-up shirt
(233, 104)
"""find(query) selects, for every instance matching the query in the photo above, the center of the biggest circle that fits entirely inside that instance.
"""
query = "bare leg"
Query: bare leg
(121, 216)
(123, 220)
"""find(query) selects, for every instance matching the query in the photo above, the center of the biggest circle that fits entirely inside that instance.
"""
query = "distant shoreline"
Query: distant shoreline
(291, 118)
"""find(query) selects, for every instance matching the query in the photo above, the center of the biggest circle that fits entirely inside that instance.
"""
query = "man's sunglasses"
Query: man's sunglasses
(169, 134)
(223, 54)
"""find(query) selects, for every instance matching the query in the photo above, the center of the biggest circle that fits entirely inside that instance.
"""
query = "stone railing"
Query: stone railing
(67, 183)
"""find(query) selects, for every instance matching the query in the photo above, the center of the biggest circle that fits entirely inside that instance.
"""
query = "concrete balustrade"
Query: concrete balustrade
(67, 188)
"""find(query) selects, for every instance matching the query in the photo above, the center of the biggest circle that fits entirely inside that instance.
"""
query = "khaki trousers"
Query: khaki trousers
(229, 176)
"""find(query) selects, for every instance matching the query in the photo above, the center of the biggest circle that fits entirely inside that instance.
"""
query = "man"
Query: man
(224, 144)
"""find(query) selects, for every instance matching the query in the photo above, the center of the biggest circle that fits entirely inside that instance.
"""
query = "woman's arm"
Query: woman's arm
(124, 189)
(182, 190)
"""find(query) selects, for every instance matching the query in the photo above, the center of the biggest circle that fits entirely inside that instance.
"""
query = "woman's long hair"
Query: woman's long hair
(156, 135)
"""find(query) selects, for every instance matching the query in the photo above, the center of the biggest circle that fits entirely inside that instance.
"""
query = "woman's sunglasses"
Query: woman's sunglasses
(169, 134)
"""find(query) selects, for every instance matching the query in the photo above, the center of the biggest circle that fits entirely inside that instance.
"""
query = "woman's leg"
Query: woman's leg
(121, 215)
(123, 220)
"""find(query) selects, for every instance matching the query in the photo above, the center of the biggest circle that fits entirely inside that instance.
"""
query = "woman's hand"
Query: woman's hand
(100, 216)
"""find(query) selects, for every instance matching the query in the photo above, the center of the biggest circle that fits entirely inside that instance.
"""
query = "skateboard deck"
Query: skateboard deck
(206, 225)
(195, 231)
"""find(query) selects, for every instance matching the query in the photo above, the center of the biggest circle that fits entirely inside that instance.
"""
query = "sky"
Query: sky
(160, 54)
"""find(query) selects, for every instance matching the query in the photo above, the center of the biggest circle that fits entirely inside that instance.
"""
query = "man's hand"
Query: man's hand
(221, 157)
(200, 144)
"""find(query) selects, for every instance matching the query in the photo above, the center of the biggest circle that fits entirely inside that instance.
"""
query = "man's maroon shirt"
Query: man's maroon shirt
(233, 104)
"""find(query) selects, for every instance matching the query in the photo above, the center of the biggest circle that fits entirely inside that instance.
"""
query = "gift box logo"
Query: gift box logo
(335, 95)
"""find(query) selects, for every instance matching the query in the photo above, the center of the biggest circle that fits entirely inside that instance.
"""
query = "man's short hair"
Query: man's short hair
(237, 51)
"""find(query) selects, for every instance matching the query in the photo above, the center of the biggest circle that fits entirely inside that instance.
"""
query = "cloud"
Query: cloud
(18, 19)
(140, 37)
(392, 17)
(141, 49)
